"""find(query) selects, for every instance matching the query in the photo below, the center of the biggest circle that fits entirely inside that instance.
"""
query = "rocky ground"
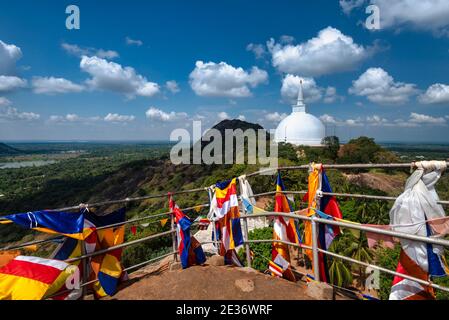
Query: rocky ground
(214, 281)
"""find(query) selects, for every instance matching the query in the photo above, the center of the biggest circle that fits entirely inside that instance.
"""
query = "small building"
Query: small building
(300, 127)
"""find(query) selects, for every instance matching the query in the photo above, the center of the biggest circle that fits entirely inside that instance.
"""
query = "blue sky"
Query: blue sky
(138, 70)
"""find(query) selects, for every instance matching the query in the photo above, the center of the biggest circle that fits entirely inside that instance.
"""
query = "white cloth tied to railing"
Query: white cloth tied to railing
(411, 210)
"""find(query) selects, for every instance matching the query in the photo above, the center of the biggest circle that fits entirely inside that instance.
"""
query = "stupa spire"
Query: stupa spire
(300, 105)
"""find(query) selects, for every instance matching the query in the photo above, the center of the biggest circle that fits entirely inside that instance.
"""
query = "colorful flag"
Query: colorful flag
(203, 222)
(285, 229)
(227, 215)
(7, 256)
(70, 224)
(133, 230)
(276, 270)
(327, 233)
(164, 222)
(107, 267)
(314, 185)
(189, 248)
(318, 181)
(31, 278)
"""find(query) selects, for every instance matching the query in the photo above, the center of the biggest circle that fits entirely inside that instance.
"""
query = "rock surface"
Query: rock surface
(246, 285)
(211, 283)
(319, 290)
(216, 260)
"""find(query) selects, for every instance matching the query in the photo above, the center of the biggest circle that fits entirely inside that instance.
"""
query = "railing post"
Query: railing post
(173, 236)
(85, 264)
(216, 243)
(245, 241)
(316, 265)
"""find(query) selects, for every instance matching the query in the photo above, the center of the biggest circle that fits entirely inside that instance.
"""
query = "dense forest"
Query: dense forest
(85, 173)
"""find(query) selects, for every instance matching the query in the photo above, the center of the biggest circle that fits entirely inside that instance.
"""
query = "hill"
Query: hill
(6, 150)
(226, 152)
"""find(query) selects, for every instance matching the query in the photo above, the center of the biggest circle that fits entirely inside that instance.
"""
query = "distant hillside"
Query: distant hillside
(7, 150)
(236, 124)
(232, 125)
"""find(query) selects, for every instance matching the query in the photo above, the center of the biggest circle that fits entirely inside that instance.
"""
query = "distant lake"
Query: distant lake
(23, 164)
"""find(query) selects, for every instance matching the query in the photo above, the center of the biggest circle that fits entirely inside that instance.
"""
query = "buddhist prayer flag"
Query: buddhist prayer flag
(327, 233)
(228, 228)
(164, 222)
(329, 209)
(276, 270)
(31, 278)
(285, 229)
(189, 248)
(314, 185)
(417, 204)
(107, 267)
(70, 224)
(203, 222)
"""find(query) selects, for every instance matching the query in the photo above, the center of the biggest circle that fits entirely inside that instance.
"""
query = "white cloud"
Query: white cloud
(379, 87)
(241, 117)
(348, 5)
(330, 52)
(286, 39)
(11, 83)
(159, 115)
(330, 95)
(312, 92)
(9, 113)
(258, 49)
(4, 102)
(114, 117)
(353, 122)
(415, 120)
(113, 77)
(427, 15)
(9, 55)
(328, 119)
(79, 51)
(426, 119)
(275, 116)
(172, 86)
(133, 42)
(436, 93)
(223, 80)
(52, 85)
(73, 118)
(376, 120)
(223, 116)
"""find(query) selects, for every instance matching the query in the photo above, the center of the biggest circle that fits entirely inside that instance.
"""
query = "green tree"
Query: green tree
(332, 146)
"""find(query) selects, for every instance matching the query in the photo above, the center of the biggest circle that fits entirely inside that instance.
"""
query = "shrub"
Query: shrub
(262, 251)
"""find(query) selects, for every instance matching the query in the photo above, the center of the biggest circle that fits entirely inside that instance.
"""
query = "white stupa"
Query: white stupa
(300, 127)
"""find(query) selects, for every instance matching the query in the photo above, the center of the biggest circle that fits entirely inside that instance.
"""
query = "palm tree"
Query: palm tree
(362, 210)
(357, 249)
(339, 274)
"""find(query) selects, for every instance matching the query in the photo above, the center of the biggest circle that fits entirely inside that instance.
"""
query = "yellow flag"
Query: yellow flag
(164, 222)
(198, 208)
(32, 248)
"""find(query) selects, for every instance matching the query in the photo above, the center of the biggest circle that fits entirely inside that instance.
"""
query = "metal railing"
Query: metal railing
(313, 220)
(315, 249)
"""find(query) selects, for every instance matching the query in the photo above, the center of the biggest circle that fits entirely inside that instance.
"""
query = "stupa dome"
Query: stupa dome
(300, 127)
